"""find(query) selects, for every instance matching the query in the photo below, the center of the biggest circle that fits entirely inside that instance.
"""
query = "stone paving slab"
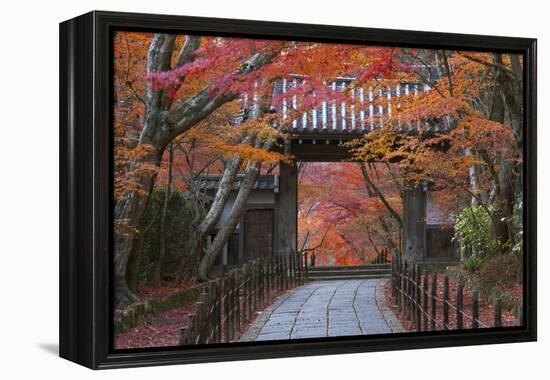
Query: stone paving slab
(327, 308)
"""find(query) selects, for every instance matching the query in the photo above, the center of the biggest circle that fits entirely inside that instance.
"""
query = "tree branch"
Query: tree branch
(206, 101)
(379, 194)
(497, 66)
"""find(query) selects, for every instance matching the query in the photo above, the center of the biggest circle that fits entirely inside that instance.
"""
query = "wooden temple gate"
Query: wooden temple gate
(318, 136)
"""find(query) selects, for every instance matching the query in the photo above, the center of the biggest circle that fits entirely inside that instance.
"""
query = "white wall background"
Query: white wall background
(29, 191)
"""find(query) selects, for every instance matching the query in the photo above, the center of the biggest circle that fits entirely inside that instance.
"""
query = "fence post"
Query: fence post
(251, 287)
(225, 292)
(202, 316)
(264, 281)
(261, 287)
(302, 268)
(244, 277)
(404, 288)
(289, 269)
(445, 302)
(397, 283)
(287, 273)
(393, 281)
(231, 310)
(303, 264)
(249, 290)
(413, 293)
(267, 274)
(520, 313)
(283, 273)
(218, 311)
(407, 290)
(237, 301)
(278, 286)
(188, 334)
(459, 305)
(306, 267)
(475, 309)
(233, 304)
(498, 313)
(271, 278)
(210, 320)
(274, 275)
(425, 301)
(292, 270)
(256, 284)
(409, 286)
(418, 299)
(185, 332)
(298, 268)
(433, 301)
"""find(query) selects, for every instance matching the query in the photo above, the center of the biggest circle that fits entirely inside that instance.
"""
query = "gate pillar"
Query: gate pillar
(414, 223)
(286, 210)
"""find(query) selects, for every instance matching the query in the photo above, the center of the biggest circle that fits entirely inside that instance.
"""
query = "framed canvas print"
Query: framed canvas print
(237, 189)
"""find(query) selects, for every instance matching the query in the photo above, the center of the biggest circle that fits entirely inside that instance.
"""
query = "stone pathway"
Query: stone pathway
(327, 309)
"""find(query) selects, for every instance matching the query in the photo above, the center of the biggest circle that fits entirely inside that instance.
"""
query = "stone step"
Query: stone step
(352, 272)
(314, 277)
(349, 267)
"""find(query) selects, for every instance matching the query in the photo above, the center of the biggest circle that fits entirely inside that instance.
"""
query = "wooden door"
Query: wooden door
(258, 234)
(439, 243)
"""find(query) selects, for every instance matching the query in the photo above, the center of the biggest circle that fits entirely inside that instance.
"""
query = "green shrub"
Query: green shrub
(473, 229)
(472, 263)
(181, 212)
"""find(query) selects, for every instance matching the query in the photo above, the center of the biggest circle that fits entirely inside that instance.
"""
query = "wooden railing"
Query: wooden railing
(381, 257)
(414, 292)
(229, 302)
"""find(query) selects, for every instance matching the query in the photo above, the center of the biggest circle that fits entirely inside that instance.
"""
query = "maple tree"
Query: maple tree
(177, 98)
(468, 136)
(342, 218)
(186, 81)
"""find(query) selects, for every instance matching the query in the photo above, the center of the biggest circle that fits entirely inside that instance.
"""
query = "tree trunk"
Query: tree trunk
(136, 257)
(504, 193)
(511, 90)
(473, 175)
(157, 278)
(162, 125)
(214, 213)
(134, 263)
(128, 213)
(387, 236)
(250, 177)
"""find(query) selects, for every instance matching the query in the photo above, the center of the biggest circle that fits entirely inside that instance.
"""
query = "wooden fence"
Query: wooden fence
(414, 292)
(229, 302)
(381, 257)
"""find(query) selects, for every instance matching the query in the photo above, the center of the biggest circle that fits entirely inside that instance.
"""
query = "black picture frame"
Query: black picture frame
(86, 186)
